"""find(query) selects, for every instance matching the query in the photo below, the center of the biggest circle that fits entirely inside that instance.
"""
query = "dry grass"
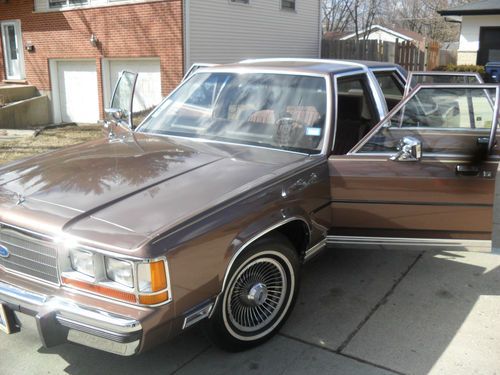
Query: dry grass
(48, 140)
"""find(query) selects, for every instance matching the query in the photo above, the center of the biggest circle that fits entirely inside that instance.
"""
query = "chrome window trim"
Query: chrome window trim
(245, 70)
(494, 125)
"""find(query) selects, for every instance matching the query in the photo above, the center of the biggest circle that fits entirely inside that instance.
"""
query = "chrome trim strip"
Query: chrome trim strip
(313, 251)
(14, 295)
(403, 241)
(198, 315)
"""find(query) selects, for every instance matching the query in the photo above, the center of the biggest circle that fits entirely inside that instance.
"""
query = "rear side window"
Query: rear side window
(391, 87)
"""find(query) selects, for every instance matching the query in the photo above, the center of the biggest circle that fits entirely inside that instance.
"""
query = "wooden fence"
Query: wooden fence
(404, 53)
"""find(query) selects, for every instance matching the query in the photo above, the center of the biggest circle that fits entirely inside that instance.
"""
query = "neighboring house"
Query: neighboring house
(383, 34)
(73, 50)
(480, 31)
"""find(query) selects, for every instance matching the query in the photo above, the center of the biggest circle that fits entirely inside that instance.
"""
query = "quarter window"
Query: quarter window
(288, 4)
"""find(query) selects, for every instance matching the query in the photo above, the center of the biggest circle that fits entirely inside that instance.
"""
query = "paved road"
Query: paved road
(359, 312)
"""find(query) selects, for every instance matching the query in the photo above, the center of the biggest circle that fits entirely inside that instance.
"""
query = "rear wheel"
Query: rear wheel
(259, 295)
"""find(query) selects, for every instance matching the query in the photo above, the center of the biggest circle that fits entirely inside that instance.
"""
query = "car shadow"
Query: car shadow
(401, 310)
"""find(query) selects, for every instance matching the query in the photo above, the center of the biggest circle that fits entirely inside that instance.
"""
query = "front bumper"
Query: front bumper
(61, 320)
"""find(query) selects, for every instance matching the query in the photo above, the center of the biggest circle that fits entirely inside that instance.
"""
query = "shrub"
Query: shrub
(460, 68)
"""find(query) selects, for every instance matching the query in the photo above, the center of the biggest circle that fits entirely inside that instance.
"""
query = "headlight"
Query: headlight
(119, 271)
(82, 261)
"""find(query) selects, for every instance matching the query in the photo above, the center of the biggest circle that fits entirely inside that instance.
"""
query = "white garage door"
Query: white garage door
(148, 87)
(78, 91)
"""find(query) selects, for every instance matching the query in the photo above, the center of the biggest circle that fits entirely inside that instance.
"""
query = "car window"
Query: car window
(391, 88)
(356, 114)
(285, 111)
(447, 120)
(443, 79)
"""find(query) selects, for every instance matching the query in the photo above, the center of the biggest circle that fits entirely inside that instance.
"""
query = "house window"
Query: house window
(66, 3)
(288, 4)
(240, 1)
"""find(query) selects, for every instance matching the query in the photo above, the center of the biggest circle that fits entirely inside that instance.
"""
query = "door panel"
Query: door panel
(410, 199)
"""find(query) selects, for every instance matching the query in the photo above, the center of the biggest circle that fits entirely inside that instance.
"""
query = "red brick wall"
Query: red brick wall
(152, 29)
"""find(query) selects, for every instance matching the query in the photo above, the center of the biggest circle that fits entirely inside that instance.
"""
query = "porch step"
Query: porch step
(10, 93)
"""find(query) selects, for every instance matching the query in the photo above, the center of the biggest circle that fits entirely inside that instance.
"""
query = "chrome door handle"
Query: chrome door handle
(467, 170)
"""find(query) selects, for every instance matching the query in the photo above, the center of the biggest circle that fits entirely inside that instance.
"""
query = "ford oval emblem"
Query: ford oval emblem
(4, 252)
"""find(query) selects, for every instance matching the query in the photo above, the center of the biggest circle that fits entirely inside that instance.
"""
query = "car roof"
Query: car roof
(307, 66)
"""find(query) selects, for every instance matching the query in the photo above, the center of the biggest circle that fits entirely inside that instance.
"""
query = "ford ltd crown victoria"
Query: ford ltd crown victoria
(205, 212)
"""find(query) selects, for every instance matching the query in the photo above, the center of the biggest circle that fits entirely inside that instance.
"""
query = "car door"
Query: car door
(425, 174)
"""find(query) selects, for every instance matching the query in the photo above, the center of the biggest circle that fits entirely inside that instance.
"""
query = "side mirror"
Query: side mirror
(409, 149)
(117, 114)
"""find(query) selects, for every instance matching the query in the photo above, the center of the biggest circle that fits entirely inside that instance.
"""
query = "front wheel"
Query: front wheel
(260, 293)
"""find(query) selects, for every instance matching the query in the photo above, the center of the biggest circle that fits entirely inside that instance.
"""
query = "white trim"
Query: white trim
(374, 27)
(187, 44)
(43, 6)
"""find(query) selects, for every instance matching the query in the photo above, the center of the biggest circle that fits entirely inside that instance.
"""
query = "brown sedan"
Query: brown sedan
(206, 211)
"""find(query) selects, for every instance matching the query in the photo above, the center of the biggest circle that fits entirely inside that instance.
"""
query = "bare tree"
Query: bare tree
(336, 14)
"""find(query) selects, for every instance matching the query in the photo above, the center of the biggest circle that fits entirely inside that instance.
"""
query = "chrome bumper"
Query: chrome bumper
(60, 320)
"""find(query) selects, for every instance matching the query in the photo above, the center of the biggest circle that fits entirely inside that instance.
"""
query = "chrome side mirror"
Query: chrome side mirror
(116, 114)
(409, 149)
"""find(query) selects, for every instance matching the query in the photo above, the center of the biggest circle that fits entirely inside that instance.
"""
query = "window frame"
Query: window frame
(493, 132)
(43, 6)
(239, 2)
(288, 9)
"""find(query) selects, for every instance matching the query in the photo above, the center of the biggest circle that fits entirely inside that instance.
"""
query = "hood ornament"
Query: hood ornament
(20, 199)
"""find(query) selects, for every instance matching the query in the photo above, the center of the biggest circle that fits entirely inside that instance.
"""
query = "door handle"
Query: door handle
(467, 170)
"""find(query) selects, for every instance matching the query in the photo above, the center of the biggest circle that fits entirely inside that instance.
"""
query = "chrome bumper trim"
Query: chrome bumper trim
(57, 318)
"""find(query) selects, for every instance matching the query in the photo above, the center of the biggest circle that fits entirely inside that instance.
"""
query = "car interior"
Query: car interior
(355, 113)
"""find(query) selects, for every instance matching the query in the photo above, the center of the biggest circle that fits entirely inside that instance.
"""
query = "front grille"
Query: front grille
(29, 255)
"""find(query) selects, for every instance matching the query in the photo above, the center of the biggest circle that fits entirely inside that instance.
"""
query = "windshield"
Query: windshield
(271, 110)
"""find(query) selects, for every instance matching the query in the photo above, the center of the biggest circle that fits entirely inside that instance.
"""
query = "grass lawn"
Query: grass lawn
(50, 139)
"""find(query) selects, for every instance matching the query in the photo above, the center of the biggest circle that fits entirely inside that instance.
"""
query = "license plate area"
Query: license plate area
(7, 321)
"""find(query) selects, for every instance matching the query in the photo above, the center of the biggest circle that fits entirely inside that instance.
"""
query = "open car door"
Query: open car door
(425, 175)
(119, 115)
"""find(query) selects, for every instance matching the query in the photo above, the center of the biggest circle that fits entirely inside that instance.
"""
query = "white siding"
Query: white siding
(220, 32)
(469, 36)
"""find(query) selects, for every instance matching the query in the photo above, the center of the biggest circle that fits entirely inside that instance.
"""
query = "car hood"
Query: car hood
(123, 192)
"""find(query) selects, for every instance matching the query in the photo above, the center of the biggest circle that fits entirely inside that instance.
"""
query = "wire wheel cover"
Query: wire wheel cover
(257, 294)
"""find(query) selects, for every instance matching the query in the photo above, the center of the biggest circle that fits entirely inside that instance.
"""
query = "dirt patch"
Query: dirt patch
(48, 140)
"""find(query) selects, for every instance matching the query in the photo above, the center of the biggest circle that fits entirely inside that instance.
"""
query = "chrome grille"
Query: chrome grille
(29, 255)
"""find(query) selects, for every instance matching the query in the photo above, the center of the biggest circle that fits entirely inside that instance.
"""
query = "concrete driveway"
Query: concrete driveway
(359, 312)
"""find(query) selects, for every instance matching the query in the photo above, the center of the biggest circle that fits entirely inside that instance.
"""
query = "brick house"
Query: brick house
(73, 50)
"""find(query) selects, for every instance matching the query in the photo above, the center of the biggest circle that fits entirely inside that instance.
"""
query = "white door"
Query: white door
(148, 88)
(78, 91)
(13, 49)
